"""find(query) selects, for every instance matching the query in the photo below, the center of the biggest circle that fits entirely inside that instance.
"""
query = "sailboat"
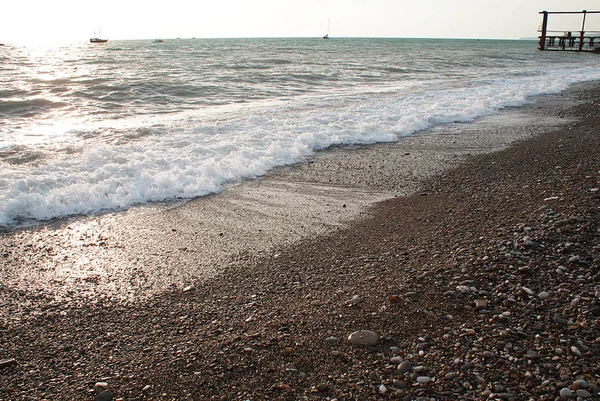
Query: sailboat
(98, 39)
(327, 34)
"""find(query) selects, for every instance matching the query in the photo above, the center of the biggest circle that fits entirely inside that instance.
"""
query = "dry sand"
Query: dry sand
(485, 280)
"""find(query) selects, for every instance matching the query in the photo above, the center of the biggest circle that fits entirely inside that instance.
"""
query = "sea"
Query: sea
(89, 128)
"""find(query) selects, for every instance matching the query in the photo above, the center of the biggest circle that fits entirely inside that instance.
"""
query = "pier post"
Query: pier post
(544, 28)
(582, 32)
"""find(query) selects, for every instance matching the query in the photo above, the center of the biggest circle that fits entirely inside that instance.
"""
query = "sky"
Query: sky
(43, 21)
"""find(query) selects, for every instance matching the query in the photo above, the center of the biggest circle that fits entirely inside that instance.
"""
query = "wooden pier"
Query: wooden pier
(581, 41)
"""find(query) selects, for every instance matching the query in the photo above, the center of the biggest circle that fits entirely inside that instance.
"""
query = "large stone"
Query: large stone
(100, 387)
(5, 363)
(104, 396)
(404, 367)
(365, 338)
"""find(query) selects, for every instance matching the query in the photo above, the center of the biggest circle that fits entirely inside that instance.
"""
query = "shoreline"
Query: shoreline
(477, 284)
(138, 253)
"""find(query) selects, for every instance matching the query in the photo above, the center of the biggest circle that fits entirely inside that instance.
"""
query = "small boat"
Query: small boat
(158, 41)
(98, 39)
(328, 26)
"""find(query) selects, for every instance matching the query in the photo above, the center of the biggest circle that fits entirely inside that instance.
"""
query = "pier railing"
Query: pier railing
(581, 41)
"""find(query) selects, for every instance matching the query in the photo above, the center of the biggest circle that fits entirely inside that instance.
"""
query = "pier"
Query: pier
(568, 40)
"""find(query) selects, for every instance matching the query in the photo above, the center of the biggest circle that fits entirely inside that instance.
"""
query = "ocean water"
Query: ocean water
(87, 128)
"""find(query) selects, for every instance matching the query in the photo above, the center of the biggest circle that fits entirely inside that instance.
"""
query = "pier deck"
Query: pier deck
(580, 41)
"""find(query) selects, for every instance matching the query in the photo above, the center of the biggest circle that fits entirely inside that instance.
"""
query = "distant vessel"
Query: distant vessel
(327, 34)
(98, 39)
(158, 40)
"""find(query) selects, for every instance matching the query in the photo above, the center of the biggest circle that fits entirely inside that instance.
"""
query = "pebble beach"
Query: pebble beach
(476, 278)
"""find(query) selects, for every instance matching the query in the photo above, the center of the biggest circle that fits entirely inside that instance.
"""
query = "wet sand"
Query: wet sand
(476, 263)
(129, 256)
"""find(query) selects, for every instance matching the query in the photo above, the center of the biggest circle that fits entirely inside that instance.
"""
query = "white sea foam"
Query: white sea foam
(183, 155)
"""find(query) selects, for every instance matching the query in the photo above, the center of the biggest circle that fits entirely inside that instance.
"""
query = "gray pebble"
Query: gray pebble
(363, 337)
(583, 393)
(565, 392)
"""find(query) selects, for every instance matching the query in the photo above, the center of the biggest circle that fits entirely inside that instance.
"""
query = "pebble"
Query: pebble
(104, 396)
(398, 383)
(332, 340)
(527, 290)
(583, 394)
(404, 367)
(355, 300)
(7, 362)
(565, 392)
(423, 379)
(543, 295)
(397, 360)
(100, 387)
(366, 338)
(481, 304)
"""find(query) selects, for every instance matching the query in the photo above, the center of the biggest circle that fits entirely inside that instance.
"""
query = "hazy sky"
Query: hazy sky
(76, 20)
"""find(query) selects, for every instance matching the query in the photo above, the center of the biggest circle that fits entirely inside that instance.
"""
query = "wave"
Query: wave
(28, 107)
(195, 155)
(18, 155)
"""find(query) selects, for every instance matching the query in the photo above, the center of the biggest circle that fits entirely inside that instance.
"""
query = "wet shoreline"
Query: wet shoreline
(145, 250)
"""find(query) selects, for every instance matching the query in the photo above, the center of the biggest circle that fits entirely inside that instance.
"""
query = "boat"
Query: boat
(158, 41)
(98, 39)
(328, 25)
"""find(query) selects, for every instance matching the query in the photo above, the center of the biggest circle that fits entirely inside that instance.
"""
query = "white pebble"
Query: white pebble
(363, 337)
(354, 301)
